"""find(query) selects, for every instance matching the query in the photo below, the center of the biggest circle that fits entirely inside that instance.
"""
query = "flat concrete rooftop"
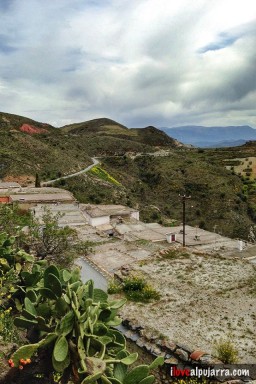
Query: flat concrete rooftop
(107, 210)
(193, 236)
(70, 215)
(40, 197)
(4, 185)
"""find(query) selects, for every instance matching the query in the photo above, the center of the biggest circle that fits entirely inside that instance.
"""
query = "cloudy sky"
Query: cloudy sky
(139, 62)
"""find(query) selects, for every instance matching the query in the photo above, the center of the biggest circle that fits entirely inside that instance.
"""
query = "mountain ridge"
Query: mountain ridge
(104, 127)
(202, 136)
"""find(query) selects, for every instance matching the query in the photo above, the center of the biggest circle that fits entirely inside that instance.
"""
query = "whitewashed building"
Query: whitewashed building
(98, 215)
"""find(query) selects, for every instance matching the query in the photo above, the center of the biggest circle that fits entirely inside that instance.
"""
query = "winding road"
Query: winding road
(49, 182)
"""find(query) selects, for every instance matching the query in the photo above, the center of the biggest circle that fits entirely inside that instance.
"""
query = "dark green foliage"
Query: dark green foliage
(133, 284)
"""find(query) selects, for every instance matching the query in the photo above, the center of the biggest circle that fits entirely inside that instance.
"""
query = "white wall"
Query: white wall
(135, 215)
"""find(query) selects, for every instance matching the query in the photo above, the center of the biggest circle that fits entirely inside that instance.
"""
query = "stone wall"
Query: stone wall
(175, 355)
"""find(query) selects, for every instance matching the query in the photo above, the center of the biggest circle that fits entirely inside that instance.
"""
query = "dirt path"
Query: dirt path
(49, 182)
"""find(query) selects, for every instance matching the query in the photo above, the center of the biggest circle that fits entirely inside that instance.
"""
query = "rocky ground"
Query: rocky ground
(204, 297)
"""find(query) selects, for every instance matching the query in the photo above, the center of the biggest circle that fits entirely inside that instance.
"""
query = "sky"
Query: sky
(139, 62)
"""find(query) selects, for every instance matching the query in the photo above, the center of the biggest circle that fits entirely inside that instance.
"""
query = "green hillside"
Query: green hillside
(28, 147)
(105, 136)
(153, 184)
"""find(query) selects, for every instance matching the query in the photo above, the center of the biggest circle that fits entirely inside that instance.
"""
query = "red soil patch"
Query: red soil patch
(31, 129)
(23, 180)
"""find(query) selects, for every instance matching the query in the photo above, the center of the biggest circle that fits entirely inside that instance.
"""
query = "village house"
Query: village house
(98, 215)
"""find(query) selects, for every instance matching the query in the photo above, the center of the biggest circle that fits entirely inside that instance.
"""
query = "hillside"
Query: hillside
(95, 125)
(221, 200)
(140, 167)
(200, 136)
(105, 136)
(29, 147)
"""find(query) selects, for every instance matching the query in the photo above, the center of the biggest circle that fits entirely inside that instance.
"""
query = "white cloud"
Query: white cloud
(155, 62)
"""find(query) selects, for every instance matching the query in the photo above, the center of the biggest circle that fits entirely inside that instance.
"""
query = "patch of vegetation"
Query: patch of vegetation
(25, 154)
(12, 218)
(174, 254)
(189, 380)
(114, 287)
(8, 331)
(103, 175)
(226, 351)
(135, 288)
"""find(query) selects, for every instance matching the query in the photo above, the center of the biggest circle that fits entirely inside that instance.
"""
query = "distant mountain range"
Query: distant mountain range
(200, 136)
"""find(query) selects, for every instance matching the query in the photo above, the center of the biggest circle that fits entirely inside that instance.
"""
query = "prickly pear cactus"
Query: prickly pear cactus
(75, 321)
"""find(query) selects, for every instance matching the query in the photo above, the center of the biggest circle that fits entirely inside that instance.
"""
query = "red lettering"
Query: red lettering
(180, 372)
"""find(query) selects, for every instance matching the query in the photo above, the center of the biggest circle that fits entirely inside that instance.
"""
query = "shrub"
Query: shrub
(8, 331)
(114, 287)
(135, 288)
(146, 294)
(133, 284)
(226, 351)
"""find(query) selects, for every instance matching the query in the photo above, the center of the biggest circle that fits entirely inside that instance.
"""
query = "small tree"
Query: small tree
(47, 237)
(12, 219)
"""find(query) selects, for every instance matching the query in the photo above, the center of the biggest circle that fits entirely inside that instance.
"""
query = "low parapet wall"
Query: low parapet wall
(179, 356)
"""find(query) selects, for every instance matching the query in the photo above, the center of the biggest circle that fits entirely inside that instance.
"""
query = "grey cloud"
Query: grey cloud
(79, 59)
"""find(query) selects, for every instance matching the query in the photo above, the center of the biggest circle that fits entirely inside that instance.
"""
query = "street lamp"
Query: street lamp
(183, 199)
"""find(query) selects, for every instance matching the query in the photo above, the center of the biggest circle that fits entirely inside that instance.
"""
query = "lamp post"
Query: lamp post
(183, 199)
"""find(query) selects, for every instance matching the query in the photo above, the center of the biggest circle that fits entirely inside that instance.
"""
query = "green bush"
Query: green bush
(135, 288)
(146, 294)
(226, 351)
(114, 287)
(133, 284)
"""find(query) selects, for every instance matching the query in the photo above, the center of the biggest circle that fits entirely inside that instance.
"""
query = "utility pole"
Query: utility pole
(183, 199)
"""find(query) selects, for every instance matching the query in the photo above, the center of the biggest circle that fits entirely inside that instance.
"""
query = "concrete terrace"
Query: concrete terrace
(155, 232)
(70, 214)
